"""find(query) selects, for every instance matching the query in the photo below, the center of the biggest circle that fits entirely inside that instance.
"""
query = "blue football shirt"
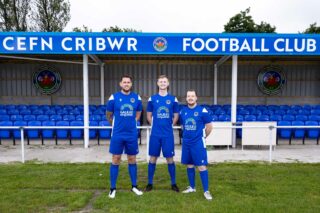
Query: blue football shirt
(193, 122)
(163, 109)
(124, 108)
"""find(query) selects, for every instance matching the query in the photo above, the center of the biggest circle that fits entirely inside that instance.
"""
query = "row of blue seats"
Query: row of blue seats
(49, 112)
(265, 107)
(241, 118)
(302, 133)
(50, 117)
(50, 107)
(54, 133)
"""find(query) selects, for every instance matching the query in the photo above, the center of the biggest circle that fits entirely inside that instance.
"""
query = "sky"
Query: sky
(191, 16)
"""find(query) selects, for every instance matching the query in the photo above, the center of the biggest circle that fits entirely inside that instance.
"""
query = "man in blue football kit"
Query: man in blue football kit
(123, 111)
(162, 114)
(196, 124)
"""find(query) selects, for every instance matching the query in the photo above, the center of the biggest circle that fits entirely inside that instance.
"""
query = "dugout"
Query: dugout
(199, 61)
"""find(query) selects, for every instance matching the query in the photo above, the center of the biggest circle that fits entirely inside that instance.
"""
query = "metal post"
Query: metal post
(270, 143)
(22, 144)
(147, 151)
(102, 84)
(234, 97)
(86, 101)
(215, 85)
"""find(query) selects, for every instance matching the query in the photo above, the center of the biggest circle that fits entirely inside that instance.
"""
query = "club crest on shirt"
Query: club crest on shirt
(120, 99)
(132, 100)
(196, 114)
(168, 101)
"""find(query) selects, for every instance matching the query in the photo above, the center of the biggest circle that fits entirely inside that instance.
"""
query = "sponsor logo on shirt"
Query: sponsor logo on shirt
(126, 110)
(190, 124)
(163, 112)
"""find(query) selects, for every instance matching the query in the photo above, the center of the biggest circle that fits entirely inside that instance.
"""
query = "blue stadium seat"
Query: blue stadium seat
(99, 112)
(298, 133)
(250, 118)
(33, 107)
(93, 132)
(33, 133)
(288, 118)
(296, 107)
(29, 118)
(79, 118)
(284, 107)
(62, 112)
(12, 112)
(257, 112)
(104, 133)
(62, 133)
(313, 132)
(16, 132)
(314, 118)
(95, 118)
(280, 112)
(10, 107)
(263, 118)
(287, 132)
(44, 107)
(244, 112)
(22, 107)
(291, 112)
(55, 118)
(50, 112)
(25, 112)
(219, 112)
(48, 133)
(303, 112)
(16, 118)
(69, 118)
(275, 117)
(42, 118)
(76, 133)
(315, 112)
(3, 111)
(74, 112)
(4, 118)
(224, 118)
(37, 112)
(215, 118)
(5, 133)
(301, 118)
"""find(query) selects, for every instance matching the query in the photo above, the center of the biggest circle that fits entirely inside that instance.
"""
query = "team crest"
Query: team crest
(132, 100)
(196, 114)
(271, 80)
(160, 44)
(168, 101)
(47, 80)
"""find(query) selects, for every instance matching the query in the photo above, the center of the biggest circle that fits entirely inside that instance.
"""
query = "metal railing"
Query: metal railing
(147, 128)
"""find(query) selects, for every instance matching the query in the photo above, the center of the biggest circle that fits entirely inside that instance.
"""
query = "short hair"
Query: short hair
(162, 76)
(126, 76)
(192, 90)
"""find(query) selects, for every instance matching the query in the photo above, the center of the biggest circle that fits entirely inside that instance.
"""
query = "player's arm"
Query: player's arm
(208, 129)
(110, 117)
(138, 115)
(175, 118)
(149, 117)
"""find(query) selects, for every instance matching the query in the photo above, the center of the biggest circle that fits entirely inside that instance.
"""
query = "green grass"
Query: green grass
(249, 187)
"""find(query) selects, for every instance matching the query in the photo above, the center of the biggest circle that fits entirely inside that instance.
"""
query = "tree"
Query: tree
(313, 28)
(243, 23)
(118, 29)
(52, 15)
(81, 29)
(14, 15)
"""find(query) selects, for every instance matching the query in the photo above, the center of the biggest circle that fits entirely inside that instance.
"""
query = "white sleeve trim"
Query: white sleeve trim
(176, 100)
(204, 110)
(149, 99)
(139, 98)
(111, 98)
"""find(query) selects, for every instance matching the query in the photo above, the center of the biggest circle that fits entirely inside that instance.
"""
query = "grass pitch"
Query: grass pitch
(248, 187)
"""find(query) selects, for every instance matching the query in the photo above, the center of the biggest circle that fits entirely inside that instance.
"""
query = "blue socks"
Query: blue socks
(132, 168)
(172, 172)
(191, 176)
(114, 171)
(151, 170)
(205, 180)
